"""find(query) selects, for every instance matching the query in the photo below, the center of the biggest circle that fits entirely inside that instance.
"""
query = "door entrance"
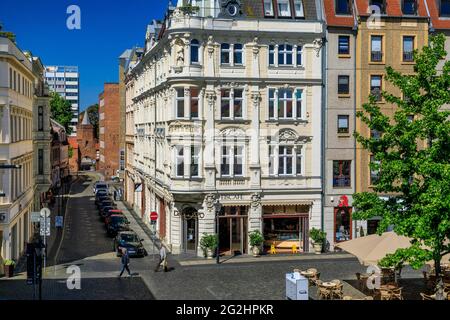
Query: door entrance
(190, 227)
(233, 231)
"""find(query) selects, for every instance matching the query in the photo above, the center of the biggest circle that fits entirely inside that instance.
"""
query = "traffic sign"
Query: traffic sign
(35, 217)
(45, 212)
(153, 216)
(45, 226)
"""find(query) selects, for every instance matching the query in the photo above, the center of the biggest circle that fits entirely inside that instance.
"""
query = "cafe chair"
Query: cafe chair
(323, 292)
(396, 294)
(385, 294)
(426, 297)
(338, 291)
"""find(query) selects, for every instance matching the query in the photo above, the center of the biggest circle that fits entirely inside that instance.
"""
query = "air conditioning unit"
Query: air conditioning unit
(2, 217)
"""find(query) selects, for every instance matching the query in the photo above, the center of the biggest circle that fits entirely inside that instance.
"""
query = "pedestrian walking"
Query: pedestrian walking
(125, 263)
(162, 259)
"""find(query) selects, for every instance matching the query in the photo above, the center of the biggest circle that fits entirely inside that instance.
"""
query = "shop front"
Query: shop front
(286, 227)
(190, 229)
(342, 224)
(233, 222)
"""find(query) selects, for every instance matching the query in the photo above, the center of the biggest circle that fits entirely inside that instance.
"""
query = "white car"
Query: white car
(100, 186)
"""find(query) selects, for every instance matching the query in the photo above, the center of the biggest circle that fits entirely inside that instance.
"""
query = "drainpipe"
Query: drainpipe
(355, 33)
(324, 122)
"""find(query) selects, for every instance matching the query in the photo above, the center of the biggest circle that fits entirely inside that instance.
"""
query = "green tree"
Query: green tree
(61, 111)
(93, 117)
(413, 159)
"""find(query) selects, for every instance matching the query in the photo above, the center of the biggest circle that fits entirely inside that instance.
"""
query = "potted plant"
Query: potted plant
(318, 237)
(208, 243)
(256, 240)
(9, 268)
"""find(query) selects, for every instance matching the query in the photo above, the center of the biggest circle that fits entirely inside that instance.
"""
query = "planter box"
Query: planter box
(9, 271)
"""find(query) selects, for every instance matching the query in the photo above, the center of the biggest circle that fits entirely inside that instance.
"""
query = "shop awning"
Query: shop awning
(234, 204)
(288, 203)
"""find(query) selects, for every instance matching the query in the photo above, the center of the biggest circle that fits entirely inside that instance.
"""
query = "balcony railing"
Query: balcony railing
(341, 181)
(408, 56)
(376, 56)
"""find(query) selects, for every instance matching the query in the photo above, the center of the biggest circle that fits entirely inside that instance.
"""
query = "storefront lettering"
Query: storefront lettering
(231, 197)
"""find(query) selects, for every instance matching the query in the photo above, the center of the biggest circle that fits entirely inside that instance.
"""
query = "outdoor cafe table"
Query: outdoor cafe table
(388, 287)
(307, 273)
(329, 285)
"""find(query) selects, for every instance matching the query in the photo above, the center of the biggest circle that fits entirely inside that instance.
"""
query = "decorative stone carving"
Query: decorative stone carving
(318, 44)
(210, 45)
(255, 200)
(210, 200)
(256, 98)
(210, 97)
(235, 132)
(287, 135)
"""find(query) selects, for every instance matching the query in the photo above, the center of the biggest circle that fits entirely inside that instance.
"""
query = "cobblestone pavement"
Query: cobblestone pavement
(86, 245)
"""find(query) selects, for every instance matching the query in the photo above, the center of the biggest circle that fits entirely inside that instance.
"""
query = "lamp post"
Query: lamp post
(217, 207)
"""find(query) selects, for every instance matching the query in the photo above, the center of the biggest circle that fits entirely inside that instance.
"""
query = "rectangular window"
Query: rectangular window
(343, 7)
(272, 160)
(444, 8)
(343, 124)
(268, 8)
(284, 8)
(344, 45)
(18, 83)
(408, 48)
(179, 161)
(299, 55)
(10, 78)
(226, 161)
(271, 103)
(285, 54)
(409, 7)
(343, 84)
(225, 53)
(380, 4)
(375, 87)
(298, 6)
(299, 162)
(341, 173)
(285, 160)
(195, 153)
(299, 98)
(237, 103)
(40, 118)
(237, 54)
(374, 172)
(194, 103)
(376, 49)
(225, 103)
(40, 161)
(285, 104)
(271, 55)
(180, 102)
(238, 160)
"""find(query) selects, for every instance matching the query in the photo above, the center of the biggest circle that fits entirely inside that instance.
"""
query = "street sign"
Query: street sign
(35, 217)
(45, 212)
(58, 221)
(45, 226)
(153, 216)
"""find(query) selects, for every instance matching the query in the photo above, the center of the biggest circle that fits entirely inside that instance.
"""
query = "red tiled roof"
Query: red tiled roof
(393, 8)
(336, 20)
(438, 22)
(73, 142)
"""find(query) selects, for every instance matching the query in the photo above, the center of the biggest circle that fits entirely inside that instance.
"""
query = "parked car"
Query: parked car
(117, 223)
(106, 203)
(106, 213)
(129, 240)
(100, 199)
(100, 186)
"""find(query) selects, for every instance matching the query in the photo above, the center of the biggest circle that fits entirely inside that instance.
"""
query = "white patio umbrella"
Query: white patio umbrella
(371, 249)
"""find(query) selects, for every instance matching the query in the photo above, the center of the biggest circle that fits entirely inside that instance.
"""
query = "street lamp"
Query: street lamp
(217, 207)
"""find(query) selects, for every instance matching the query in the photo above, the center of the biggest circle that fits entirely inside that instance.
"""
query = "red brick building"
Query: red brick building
(87, 144)
(109, 127)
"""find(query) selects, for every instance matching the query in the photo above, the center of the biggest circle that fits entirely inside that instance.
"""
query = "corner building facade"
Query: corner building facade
(227, 107)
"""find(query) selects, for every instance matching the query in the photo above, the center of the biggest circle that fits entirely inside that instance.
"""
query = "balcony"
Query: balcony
(341, 181)
(376, 56)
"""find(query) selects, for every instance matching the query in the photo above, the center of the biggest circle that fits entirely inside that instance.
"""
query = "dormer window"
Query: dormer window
(298, 7)
(268, 8)
(409, 7)
(444, 8)
(380, 4)
(284, 8)
(343, 7)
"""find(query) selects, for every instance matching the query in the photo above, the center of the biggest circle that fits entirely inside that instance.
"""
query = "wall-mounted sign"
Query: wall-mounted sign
(231, 197)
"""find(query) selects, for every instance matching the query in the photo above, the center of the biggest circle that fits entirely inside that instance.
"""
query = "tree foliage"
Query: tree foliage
(93, 117)
(413, 159)
(61, 111)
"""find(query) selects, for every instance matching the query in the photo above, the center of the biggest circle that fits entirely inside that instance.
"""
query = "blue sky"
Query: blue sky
(108, 27)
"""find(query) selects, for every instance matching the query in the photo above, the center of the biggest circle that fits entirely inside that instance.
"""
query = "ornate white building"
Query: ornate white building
(226, 105)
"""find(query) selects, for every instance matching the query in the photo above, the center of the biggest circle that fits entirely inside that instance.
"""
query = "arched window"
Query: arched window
(195, 46)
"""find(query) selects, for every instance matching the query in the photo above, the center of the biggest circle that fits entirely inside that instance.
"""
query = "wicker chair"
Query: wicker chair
(426, 297)
(323, 292)
(338, 291)
(396, 294)
(385, 294)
